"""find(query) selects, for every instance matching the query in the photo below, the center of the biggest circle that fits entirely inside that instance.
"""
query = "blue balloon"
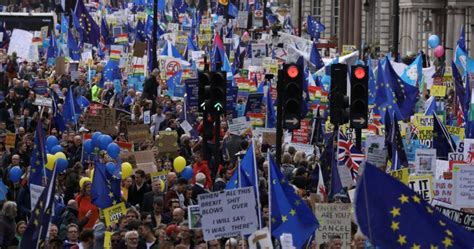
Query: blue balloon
(95, 138)
(110, 166)
(56, 149)
(104, 141)
(61, 165)
(433, 41)
(113, 150)
(88, 148)
(51, 141)
(187, 173)
(15, 174)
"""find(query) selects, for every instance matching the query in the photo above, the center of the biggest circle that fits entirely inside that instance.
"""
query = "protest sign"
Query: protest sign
(262, 238)
(425, 161)
(138, 133)
(301, 135)
(194, 217)
(239, 126)
(254, 103)
(41, 86)
(60, 65)
(112, 214)
(463, 181)
(167, 143)
(104, 121)
(438, 91)
(159, 175)
(422, 186)
(10, 140)
(308, 149)
(145, 161)
(43, 101)
(345, 176)
(442, 190)
(242, 19)
(269, 138)
(334, 219)
(376, 157)
(139, 49)
(20, 42)
(35, 193)
(228, 213)
(459, 217)
(402, 175)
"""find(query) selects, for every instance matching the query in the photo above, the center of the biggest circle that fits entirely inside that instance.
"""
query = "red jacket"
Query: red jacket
(203, 168)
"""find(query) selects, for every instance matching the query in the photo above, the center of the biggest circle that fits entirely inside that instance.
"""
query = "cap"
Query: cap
(170, 229)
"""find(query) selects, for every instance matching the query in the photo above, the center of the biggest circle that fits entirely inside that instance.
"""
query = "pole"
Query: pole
(154, 34)
(395, 24)
(358, 138)
(279, 128)
(265, 23)
(300, 6)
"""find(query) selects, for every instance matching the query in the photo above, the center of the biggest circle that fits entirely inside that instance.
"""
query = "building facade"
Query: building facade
(369, 22)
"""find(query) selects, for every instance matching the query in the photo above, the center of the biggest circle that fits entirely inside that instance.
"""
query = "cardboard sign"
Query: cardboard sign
(112, 214)
(10, 140)
(35, 193)
(104, 121)
(422, 186)
(463, 179)
(138, 133)
(168, 143)
(334, 219)
(194, 217)
(402, 175)
(228, 213)
(263, 239)
(60, 65)
(145, 161)
(139, 49)
(269, 138)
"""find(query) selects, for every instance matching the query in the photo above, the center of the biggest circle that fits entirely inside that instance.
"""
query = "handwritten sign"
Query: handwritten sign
(463, 179)
(112, 214)
(334, 219)
(168, 143)
(443, 190)
(228, 213)
(138, 133)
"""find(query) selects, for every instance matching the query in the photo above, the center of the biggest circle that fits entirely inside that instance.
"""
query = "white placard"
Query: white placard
(228, 213)
(20, 43)
(239, 126)
(308, 149)
(86, 55)
(463, 180)
(43, 101)
(334, 219)
(35, 193)
(443, 190)
(146, 117)
(262, 238)
(425, 161)
(186, 126)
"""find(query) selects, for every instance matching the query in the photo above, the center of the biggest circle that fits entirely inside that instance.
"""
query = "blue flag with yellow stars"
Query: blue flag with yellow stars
(289, 213)
(37, 228)
(396, 217)
(38, 157)
(88, 27)
(396, 152)
(247, 172)
(105, 191)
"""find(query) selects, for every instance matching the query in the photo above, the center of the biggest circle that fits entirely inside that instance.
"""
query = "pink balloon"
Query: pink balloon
(439, 51)
(246, 36)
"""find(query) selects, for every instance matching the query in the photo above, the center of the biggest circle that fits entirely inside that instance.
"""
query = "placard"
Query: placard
(60, 65)
(425, 161)
(269, 138)
(242, 19)
(308, 149)
(145, 161)
(194, 217)
(422, 186)
(462, 218)
(104, 121)
(463, 180)
(376, 156)
(438, 91)
(402, 175)
(334, 219)
(239, 126)
(10, 140)
(43, 101)
(443, 190)
(112, 214)
(159, 175)
(168, 143)
(35, 193)
(20, 42)
(138, 133)
(228, 213)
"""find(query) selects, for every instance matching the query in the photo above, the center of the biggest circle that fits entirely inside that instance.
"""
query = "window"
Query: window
(316, 8)
(335, 19)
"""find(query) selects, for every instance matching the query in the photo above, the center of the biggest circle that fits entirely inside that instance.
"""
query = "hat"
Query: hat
(170, 229)
(83, 181)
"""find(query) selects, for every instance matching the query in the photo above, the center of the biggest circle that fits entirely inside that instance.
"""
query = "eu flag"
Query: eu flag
(111, 72)
(71, 109)
(315, 57)
(395, 148)
(393, 216)
(37, 229)
(247, 167)
(442, 140)
(38, 157)
(88, 27)
(105, 189)
(289, 213)
(74, 52)
(173, 81)
(315, 27)
(271, 120)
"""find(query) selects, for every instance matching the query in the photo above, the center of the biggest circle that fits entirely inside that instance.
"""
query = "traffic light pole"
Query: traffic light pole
(154, 33)
(279, 126)
(217, 130)
(358, 133)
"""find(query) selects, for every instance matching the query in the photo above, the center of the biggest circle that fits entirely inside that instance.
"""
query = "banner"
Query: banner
(459, 217)
(228, 213)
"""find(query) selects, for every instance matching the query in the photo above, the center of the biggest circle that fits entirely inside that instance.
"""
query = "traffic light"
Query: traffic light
(359, 97)
(338, 100)
(290, 87)
(204, 93)
(218, 92)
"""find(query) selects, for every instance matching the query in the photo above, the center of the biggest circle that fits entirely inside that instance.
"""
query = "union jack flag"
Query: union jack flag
(349, 155)
(460, 121)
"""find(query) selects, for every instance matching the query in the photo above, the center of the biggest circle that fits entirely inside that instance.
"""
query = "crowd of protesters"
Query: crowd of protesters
(157, 215)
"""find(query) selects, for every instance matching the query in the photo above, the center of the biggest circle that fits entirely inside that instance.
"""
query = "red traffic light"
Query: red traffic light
(292, 71)
(359, 73)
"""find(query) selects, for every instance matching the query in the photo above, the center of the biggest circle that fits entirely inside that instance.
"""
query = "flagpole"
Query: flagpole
(42, 149)
(269, 194)
(259, 205)
(239, 182)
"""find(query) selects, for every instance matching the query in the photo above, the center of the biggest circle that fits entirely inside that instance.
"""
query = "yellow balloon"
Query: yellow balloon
(126, 170)
(84, 180)
(59, 155)
(162, 185)
(51, 159)
(179, 163)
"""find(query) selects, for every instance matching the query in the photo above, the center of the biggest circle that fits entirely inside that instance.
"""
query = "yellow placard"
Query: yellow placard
(160, 174)
(402, 175)
(347, 49)
(438, 91)
(112, 214)
(10, 140)
(456, 131)
(108, 240)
